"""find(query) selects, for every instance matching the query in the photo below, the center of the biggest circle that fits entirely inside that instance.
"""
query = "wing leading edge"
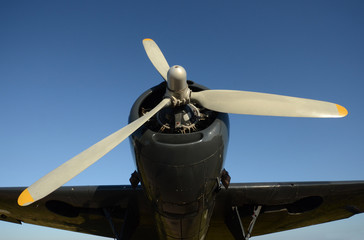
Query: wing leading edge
(284, 206)
(86, 209)
(93, 209)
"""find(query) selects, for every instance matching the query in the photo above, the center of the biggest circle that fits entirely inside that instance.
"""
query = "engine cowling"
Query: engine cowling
(179, 163)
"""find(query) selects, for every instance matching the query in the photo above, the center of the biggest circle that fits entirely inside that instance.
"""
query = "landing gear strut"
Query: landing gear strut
(256, 212)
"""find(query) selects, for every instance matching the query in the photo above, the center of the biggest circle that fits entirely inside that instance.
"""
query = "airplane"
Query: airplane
(179, 134)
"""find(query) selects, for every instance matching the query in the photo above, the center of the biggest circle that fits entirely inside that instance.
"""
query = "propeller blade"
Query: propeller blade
(156, 57)
(77, 164)
(253, 103)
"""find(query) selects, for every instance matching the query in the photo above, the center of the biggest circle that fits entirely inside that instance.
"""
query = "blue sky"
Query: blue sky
(70, 71)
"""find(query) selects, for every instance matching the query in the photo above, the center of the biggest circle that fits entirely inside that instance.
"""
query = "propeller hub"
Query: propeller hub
(177, 79)
(177, 89)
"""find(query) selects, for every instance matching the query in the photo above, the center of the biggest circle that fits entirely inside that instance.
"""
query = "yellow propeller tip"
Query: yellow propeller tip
(25, 198)
(342, 111)
(147, 39)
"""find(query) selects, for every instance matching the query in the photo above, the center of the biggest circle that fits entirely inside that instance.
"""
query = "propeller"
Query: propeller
(77, 164)
(239, 102)
(253, 103)
(156, 57)
(178, 93)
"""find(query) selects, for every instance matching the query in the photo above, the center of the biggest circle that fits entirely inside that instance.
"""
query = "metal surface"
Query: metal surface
(253, 103)
(177, 88)
(79, 163)
(177, 78)
(156, 57)
(179, 171)
(284, 206)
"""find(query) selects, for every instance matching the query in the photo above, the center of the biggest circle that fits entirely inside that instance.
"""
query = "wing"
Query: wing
(88, 209)
(94, 209)
(284, 206)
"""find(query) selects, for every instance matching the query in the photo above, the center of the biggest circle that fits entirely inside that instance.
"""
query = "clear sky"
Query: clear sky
(70, 71)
